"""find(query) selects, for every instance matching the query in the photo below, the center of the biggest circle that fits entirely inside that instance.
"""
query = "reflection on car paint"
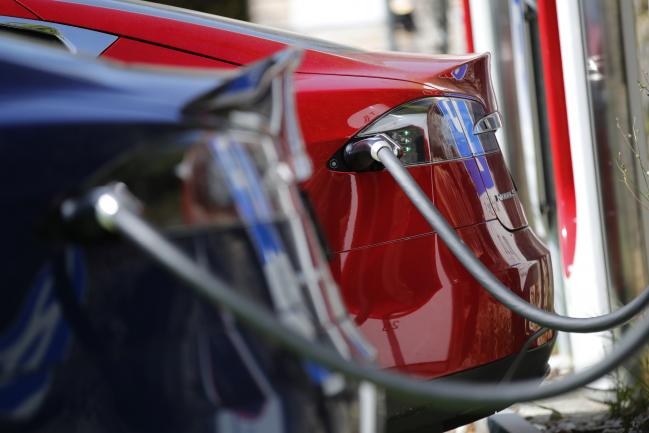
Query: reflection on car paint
(221, 23)
(38, 337)
(400, 304)
(468, 123)
(454, 123)
(460, 72)
(256, 212)
(461, 123)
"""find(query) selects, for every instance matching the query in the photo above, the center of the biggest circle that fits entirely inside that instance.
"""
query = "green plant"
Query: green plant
(639, 189)
(630, 402)
(640, 192)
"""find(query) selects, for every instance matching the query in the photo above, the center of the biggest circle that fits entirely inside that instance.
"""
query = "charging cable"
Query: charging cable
(112, 211)
(383, 150)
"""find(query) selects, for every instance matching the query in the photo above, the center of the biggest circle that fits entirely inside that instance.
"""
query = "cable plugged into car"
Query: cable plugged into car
(361, 155)
(112, 209)
(454, 128)
(486, 278)
(114, 214)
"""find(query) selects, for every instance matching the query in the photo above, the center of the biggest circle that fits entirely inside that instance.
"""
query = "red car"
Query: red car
(411, 298)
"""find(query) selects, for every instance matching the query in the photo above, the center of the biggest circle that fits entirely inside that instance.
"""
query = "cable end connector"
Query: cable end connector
(384, 142)
(361, 155)
(92, 215)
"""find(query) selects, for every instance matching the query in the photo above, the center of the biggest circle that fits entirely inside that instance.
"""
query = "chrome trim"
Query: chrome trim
(490, 123)
(76, 39)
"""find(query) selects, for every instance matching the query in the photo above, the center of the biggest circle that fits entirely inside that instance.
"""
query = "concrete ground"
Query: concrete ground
(566, 413)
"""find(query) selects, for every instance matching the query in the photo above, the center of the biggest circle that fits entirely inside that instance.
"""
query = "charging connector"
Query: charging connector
(361, 155)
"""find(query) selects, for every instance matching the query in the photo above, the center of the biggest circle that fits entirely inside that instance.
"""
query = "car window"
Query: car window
(33, 35)
(451, 124)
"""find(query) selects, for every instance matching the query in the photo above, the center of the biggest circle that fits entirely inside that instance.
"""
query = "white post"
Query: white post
(586, 288)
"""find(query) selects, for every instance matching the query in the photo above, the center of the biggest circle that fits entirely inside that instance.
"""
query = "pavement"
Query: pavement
(577, 408)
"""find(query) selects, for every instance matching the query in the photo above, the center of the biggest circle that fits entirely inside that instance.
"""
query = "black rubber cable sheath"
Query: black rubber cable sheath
(518, 360)
(487, 279)
(441, 393)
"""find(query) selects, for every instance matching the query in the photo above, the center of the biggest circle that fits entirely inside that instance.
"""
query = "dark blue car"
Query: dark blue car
(95, 336)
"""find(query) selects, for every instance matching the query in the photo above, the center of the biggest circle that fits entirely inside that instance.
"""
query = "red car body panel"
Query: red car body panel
(450, 323)
(13, 9)
(467, 206)
(356, 211)
(132, 51)
(410, 296)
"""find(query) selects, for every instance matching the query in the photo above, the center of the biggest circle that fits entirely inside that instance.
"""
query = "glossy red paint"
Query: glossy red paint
(468, 204)
(352, 207)
(131, 51)
(172, 33)
(421, 309)
(558, 125)
(10, 8)
(332, 108)
(405, 311)
(205, 39)
(358, 210)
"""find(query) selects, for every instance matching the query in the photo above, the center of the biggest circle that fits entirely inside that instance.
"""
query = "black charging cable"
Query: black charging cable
(116, 217)
(384, 153)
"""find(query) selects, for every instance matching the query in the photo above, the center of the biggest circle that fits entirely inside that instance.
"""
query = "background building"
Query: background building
(423, 26)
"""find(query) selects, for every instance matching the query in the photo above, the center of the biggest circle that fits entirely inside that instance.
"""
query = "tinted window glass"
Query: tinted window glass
(34, 35)
(450, 127)
(412, 140)
(488, 141)
(441, 138)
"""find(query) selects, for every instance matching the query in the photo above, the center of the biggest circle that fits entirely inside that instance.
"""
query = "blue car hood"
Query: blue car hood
(43, 85)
